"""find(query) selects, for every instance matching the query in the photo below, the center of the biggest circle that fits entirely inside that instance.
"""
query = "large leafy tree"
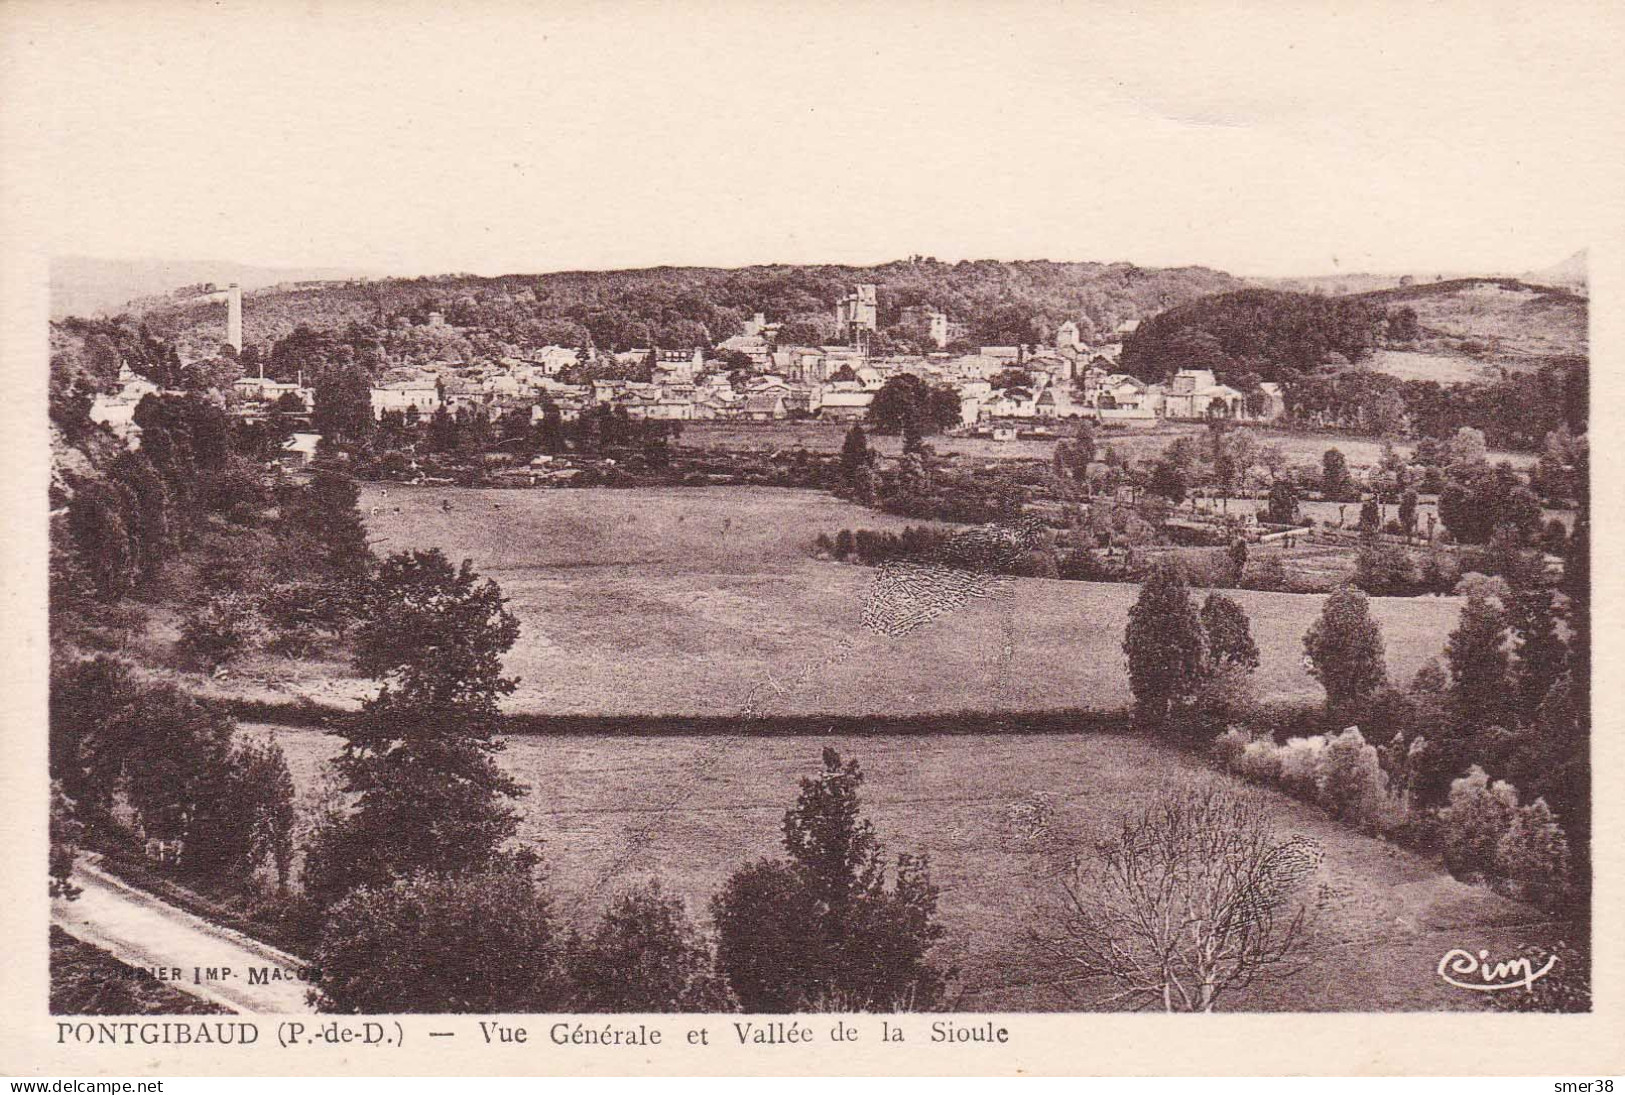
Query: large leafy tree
(823, 930)
(148, 521)
(1169, 480)
(1478, 654)
(856, 460)
(1165, 644)
(96, 517)
(1229, 635)
(178, 765)
(91, 726)
(420, 756)
(907, 403)
(320, 522)
(1477, 499)
(343, 403)
(1345, 650)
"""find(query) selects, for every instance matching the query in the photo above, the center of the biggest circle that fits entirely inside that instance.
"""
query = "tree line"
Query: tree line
(1440, 761)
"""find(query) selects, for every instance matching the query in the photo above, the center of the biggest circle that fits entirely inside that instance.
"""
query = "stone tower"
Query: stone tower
(234, 316)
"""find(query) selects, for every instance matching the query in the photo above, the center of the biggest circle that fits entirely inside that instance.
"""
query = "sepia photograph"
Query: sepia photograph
(840, 510)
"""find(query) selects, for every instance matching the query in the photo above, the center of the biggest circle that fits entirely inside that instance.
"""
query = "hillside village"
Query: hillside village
(757, 376)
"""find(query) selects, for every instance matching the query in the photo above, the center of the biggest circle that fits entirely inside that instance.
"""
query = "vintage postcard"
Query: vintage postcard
(744, 539)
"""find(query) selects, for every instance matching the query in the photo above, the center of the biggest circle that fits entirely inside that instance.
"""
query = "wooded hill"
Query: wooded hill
(1277, 335)
(1000, 303)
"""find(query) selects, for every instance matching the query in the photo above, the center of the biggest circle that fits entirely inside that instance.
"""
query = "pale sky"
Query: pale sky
(498, 137)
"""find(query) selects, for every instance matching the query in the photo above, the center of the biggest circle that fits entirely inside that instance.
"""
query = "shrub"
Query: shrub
(219, 630)
(1486, 587)
(645, 956)
(1207, 568)
(1228, 747)
(1227, 695)
(1039, 564)
(1349, 783)
(1533, 856)
(1260, 762)
(1566, 989)
(1267, 573)
(1440, 571)
(1300, 761)
(767, 946)
(294, 615)
(471, 943)
(1479, 815)
(66, 832)
(1384, 570)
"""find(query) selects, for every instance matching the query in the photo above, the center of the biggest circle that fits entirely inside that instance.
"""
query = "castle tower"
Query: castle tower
(234, 316)
(856, 314)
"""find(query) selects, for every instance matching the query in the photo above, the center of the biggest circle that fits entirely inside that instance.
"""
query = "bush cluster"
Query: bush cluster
(1340, 773)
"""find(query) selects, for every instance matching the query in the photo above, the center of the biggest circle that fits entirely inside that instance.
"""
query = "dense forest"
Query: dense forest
(999, 303)
(1276, 335)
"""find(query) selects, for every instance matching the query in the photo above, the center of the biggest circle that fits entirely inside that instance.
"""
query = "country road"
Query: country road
(146, 932)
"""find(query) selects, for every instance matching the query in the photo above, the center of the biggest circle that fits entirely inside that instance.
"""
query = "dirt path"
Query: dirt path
(145, 932)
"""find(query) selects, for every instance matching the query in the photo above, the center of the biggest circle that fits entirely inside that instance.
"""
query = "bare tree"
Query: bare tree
(1192, 899)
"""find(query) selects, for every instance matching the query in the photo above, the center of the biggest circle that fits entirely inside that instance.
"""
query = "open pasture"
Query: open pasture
(1420, 365)
(610, 811)
(696, 601)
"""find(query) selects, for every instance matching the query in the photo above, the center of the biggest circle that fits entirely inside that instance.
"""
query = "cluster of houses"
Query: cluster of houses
(836, 383)
(997, 385)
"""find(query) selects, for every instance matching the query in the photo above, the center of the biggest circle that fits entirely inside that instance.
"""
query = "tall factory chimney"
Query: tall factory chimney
(234, 316)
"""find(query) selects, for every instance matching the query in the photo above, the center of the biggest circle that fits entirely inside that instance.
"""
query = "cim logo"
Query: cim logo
(1476, 973)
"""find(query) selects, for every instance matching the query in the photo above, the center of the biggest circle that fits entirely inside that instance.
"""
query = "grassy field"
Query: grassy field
(1444, 368)
(608, 811)
(1512, 322)
(687, 601)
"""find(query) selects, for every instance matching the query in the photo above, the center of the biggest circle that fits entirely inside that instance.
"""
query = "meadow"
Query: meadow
(1419, 365)
(689, 601)
(609, 811)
